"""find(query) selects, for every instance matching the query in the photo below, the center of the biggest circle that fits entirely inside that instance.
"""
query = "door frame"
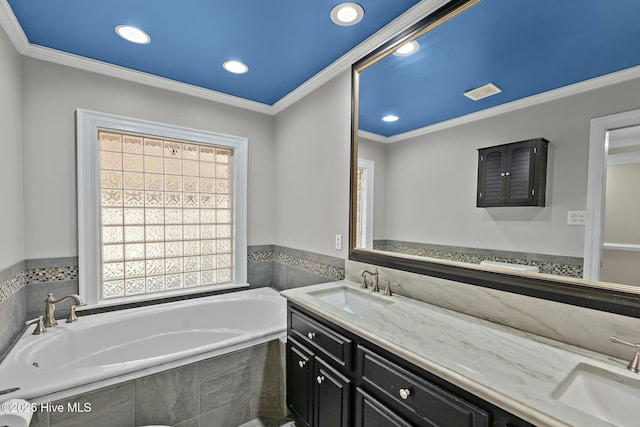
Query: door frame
(597, 184)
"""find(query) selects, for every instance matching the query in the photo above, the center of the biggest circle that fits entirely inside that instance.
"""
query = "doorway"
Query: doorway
(612, 234)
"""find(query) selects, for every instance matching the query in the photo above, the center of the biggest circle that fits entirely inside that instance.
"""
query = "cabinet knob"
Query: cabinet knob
(311, 335)
(320, 379)
(405, 393)
(502, 174)
(301, 363)
(508, 173)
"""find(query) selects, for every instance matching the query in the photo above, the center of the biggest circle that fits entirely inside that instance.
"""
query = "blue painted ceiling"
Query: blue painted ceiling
(284, 42)
(525, 47)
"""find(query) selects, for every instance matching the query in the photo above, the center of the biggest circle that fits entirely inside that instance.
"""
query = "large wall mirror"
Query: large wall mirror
(566, 71)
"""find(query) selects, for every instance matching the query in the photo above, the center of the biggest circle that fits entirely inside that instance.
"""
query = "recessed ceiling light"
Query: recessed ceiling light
(235, 67)
(346, 14)
(390, 118)
(482, 92)
(407, 49)
(133, 34)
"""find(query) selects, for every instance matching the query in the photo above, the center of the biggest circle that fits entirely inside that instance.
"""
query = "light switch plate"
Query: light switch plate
(577, 218)
(338, 242)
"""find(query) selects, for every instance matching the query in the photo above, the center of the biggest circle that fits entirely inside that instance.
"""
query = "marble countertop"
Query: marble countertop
(514, 370)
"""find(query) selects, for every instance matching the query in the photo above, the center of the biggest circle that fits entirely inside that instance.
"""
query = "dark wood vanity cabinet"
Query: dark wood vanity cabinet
(337, 379)
(513, 174)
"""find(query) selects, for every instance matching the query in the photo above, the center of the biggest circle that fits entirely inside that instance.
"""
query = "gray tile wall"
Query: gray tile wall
(13, 304)
(227, 390)
(291, 268)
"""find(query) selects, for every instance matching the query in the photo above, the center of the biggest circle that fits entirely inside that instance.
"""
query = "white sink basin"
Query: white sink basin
(349, 300)
(603, 394)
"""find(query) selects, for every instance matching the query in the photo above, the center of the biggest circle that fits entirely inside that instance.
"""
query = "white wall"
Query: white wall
(11, 204)
(377, 153)
(312, 177)
(432, 179)
(53, 92)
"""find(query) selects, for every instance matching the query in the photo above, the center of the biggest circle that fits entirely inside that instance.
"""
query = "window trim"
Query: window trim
(88, 181)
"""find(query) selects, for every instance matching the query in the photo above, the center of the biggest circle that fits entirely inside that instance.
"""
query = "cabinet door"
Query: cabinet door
(371, 413)
(519, 173)
(491, 174)
(300, 381)
(332, 396)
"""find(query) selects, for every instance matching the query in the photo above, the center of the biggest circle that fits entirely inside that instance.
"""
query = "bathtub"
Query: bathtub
(106, 348)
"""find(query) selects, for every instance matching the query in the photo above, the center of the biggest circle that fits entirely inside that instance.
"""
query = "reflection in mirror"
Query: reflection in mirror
(548, 68)
(621, 255)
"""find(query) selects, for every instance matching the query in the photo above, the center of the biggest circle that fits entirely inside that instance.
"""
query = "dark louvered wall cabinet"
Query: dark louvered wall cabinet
(513, 174)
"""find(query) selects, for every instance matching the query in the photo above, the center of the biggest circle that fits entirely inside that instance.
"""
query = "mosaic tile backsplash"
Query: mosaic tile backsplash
(548, 264)
(12, 285)
(52, 274)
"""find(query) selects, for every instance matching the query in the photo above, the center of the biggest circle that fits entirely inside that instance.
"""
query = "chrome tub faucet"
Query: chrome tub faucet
(50, 308)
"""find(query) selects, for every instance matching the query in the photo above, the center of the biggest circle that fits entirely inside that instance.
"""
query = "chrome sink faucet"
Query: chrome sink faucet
(375, 274)
(634, 365)
(50, 308)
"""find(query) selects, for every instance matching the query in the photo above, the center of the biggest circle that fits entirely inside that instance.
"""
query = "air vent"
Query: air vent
(482, 92)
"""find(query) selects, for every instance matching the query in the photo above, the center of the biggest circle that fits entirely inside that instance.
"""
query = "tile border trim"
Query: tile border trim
(323, 265)
(548, 264)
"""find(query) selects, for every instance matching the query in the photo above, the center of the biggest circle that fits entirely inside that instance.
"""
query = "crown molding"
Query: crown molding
(410, 17)
(14, 31)
(11, 26)
(574, 89)
(94, 66)
(373, 136)
(22, 45)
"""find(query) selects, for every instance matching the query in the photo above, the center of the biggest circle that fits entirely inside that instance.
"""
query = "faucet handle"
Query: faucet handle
(72, 315)
(627, 343)
(634, 365)
(39, 329)
(387, 288)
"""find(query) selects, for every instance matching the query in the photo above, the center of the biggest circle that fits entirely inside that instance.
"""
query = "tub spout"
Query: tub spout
(50, 308)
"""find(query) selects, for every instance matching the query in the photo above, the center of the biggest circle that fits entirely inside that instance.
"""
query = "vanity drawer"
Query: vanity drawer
(408, 392)
(333, 345)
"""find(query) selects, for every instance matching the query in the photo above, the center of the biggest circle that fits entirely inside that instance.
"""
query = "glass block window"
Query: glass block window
(166, 211)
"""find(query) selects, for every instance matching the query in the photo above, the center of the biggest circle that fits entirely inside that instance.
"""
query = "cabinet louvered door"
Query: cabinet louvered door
(491, 183)
(519, 176)
(513, 174)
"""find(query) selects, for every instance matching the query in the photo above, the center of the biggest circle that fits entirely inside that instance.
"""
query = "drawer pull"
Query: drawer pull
(311, 335)
(320, 379)
(301, 363)
(405, 393)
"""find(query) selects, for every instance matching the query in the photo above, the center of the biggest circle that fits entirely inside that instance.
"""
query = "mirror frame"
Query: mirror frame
(609, 297)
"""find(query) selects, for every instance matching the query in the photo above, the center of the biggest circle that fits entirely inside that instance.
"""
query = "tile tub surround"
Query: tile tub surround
(226, 390)
(586, 328)
(13, 304)
(511, 369)
(549, 264)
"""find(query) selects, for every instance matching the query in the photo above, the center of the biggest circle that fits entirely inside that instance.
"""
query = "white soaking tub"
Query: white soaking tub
(140, 340)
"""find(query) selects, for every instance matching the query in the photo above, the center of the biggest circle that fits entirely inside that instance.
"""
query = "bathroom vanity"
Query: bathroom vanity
(357, 358)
